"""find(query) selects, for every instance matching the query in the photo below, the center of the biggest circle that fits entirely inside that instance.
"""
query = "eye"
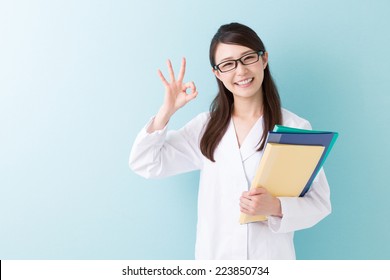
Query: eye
(227, 65)
(249, 58)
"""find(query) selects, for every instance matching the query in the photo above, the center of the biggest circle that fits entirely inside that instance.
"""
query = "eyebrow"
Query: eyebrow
(231, 58)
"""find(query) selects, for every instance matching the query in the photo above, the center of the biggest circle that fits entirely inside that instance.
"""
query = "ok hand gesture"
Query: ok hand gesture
(176, 95)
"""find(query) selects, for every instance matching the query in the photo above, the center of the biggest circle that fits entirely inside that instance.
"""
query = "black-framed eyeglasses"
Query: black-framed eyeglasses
(232, 64)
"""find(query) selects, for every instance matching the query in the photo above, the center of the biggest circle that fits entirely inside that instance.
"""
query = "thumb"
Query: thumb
(257, 191)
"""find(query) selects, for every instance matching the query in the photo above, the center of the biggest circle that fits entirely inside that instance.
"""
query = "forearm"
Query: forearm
(160, 120)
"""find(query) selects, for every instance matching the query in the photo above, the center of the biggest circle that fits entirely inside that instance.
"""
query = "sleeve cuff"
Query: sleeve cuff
(144, 132)
(276, 223)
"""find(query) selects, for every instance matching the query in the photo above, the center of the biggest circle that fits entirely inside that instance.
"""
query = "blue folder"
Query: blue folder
(288, 135)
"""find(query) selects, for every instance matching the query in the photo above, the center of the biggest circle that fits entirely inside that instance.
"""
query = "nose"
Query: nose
(241, 68)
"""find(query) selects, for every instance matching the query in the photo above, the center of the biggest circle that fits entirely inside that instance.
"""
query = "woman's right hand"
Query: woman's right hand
(176, 96)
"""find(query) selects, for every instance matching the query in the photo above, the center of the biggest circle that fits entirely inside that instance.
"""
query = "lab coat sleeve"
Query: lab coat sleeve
(304, 212)
(165, 153)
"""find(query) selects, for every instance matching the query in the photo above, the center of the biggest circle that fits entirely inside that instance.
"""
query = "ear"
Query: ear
(216, 73)
(264, 57)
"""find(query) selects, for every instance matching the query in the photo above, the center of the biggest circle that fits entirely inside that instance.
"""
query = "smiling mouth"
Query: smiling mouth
(244, 82)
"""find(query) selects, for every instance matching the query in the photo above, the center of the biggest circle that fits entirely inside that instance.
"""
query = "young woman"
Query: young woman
(226, 144)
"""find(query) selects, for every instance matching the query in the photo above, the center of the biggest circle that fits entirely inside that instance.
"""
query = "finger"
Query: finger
(191, 96)
(182, 70)
(257, 191)
(246, 202)
(246, 210)
(189, 85)
(170, 69)
(164, 81)
(245, 194)
(244, 206)
(192, 86)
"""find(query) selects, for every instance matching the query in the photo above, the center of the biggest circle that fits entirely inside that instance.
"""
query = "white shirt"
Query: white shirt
(219, 233)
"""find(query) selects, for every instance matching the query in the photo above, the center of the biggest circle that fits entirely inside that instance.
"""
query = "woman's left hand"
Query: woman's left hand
(259, 201)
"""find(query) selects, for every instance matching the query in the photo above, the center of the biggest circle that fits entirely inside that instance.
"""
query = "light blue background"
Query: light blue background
(78, 81)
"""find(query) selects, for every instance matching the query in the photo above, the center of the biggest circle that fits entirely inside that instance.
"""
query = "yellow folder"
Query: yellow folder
(284, 170)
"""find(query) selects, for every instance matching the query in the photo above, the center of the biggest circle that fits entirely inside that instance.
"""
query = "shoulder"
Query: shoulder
(202, 117)
(195, 127)
(199, 120)
(293, 120)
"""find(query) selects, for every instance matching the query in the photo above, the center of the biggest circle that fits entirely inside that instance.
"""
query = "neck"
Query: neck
(248, 107)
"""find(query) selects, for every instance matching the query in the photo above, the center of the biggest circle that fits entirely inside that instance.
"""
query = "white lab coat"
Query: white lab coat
(219, 234)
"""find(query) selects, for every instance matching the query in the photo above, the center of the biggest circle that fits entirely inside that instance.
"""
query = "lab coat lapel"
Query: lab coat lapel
(251, 142)
(228, 151)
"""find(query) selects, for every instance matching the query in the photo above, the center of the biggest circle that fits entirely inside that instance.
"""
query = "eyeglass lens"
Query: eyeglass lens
(232, 64)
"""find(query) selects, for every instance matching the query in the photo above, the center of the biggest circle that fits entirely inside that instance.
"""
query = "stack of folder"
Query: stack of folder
(291, 160)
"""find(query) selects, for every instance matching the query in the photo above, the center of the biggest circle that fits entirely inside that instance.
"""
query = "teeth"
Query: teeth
(244, 82)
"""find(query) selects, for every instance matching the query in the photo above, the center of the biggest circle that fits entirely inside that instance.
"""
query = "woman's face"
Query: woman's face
(245, 81)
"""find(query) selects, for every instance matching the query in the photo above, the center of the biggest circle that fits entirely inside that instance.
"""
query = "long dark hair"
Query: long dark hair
(222, 105)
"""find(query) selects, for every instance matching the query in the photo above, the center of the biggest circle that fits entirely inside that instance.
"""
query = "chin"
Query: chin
(245, 95)
(246, 92)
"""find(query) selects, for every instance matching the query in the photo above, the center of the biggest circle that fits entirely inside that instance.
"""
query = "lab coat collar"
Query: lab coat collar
(251, 142)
